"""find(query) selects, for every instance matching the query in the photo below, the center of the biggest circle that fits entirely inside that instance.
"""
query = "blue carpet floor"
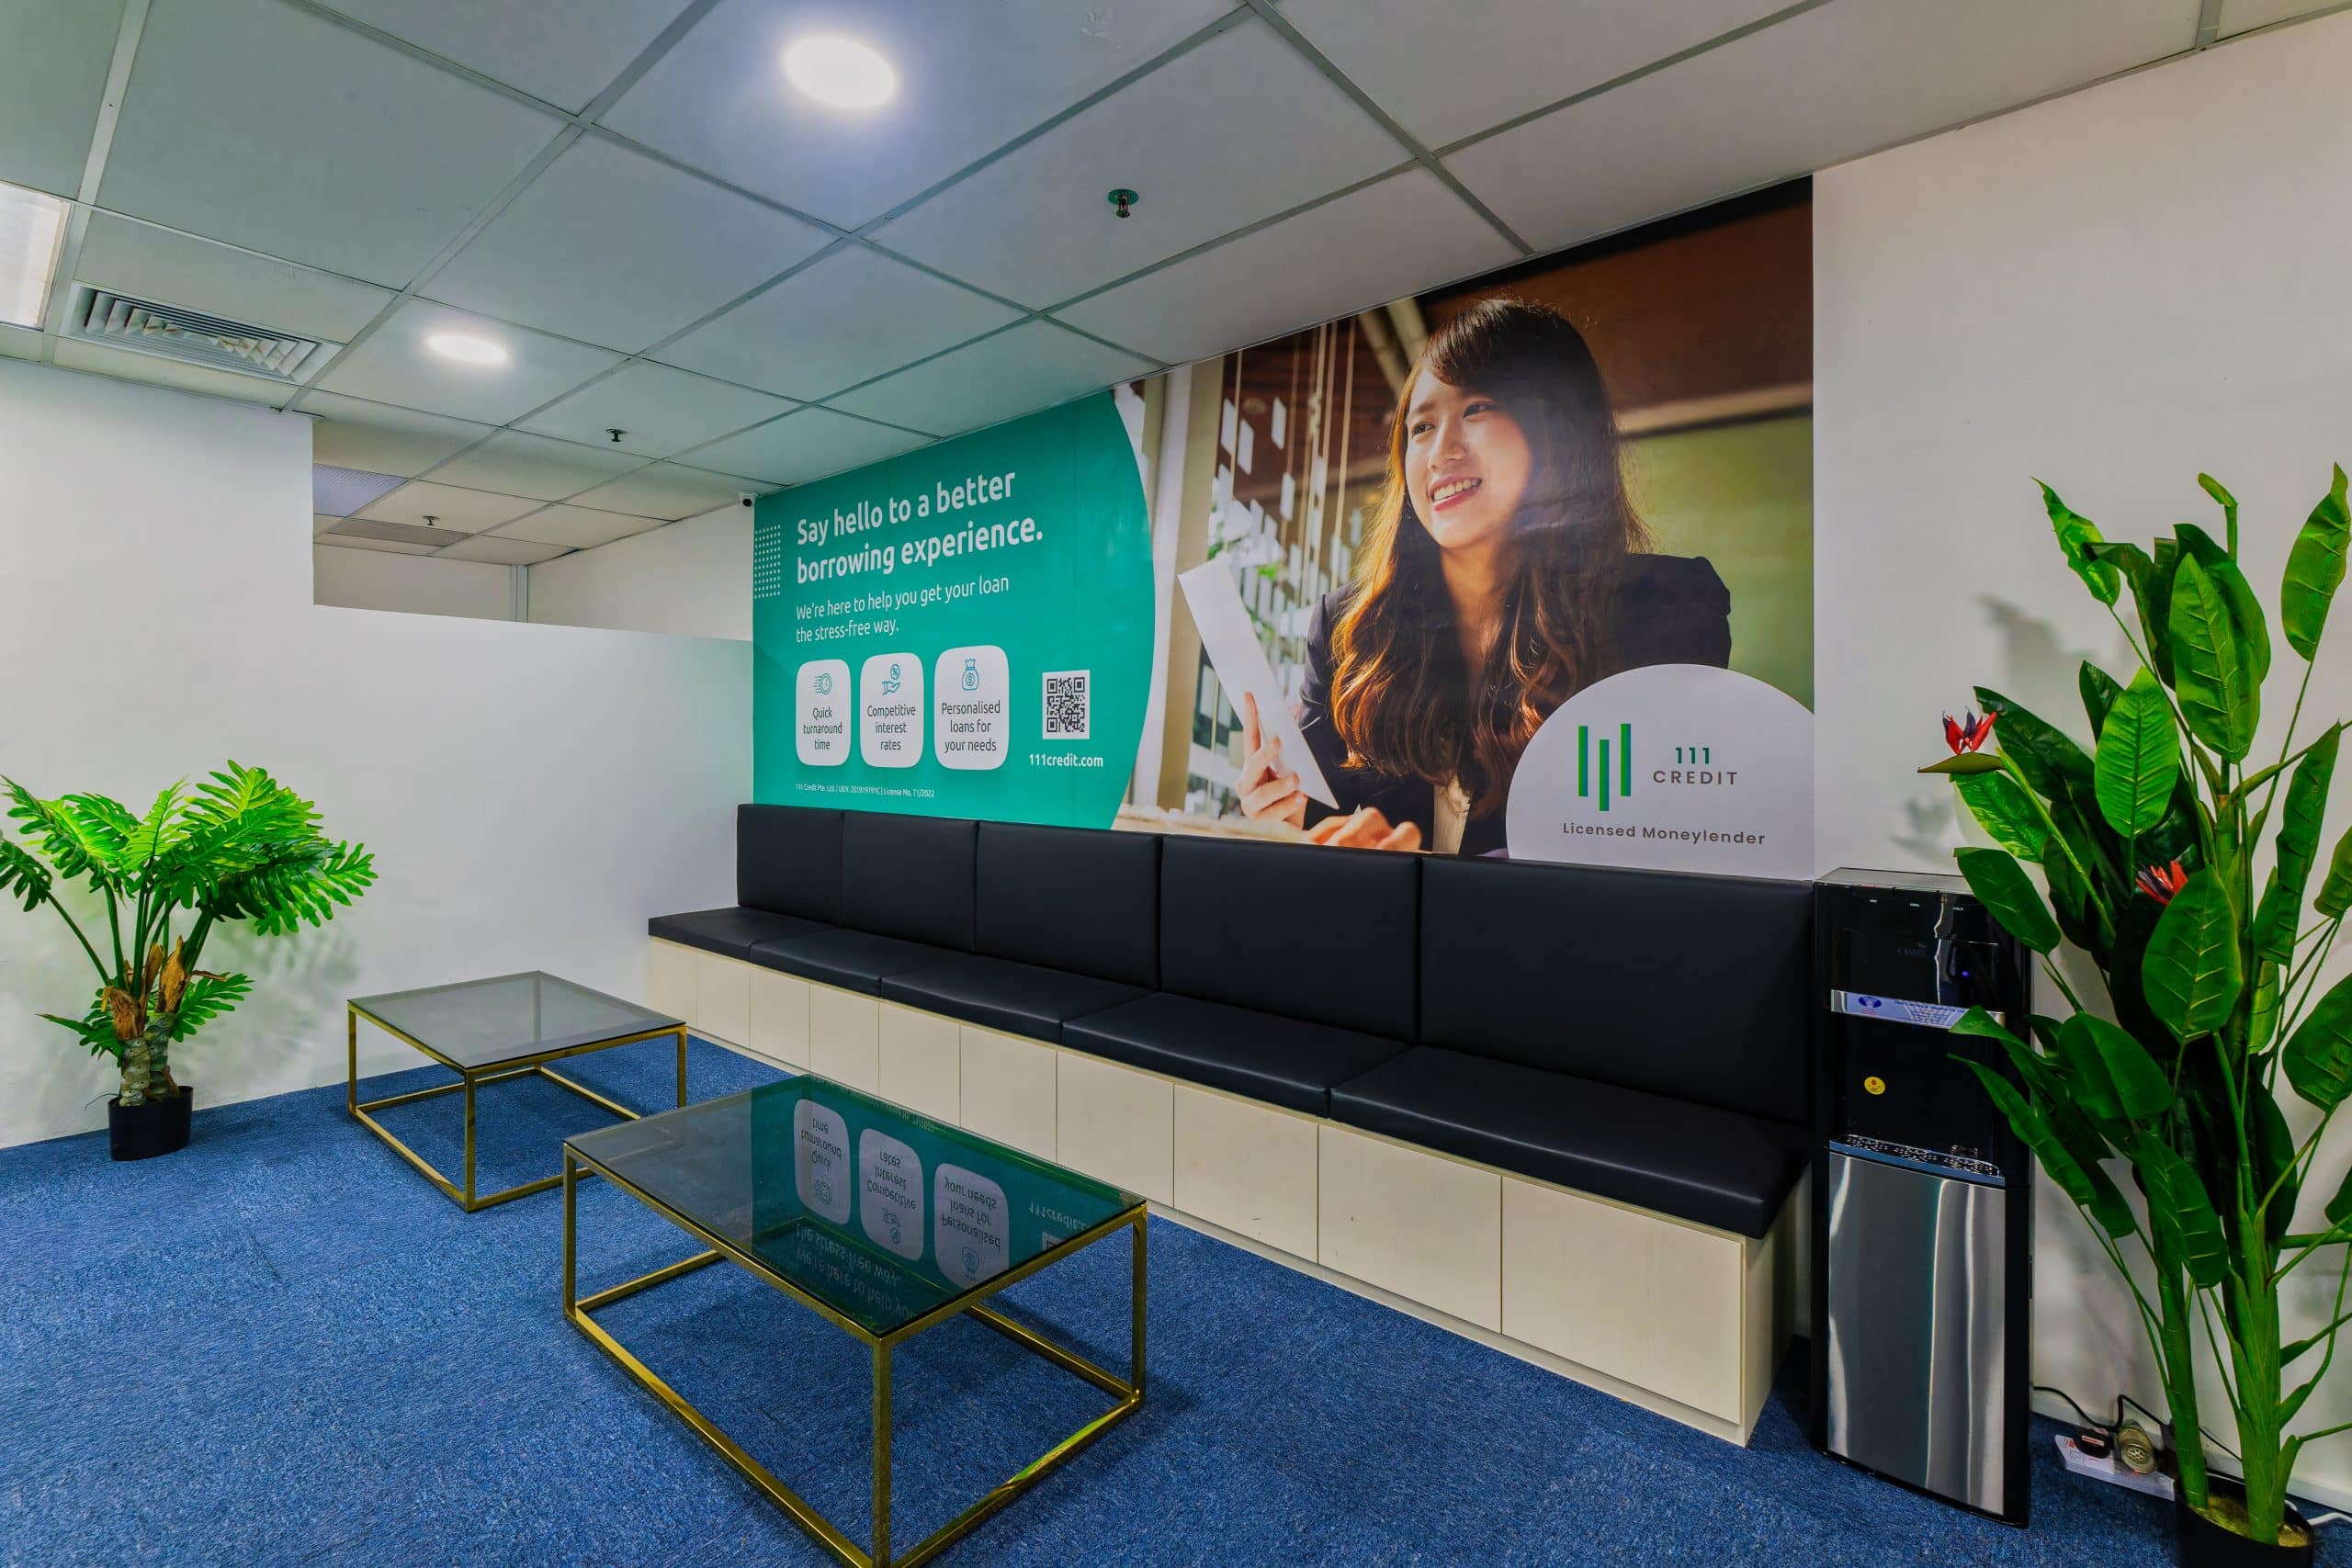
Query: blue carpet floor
(282, 1347)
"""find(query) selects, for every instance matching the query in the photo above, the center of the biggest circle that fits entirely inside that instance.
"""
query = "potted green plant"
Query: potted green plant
(2148, 844)
(239, 846)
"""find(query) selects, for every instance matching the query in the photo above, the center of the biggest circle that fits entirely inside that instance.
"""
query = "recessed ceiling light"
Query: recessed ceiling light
(30, 223)
(841, 72)
(467, 348)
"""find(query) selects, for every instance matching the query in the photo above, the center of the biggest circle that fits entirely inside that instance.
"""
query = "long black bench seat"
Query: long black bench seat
(851, 960)
(1697, 1162)
(996, 993)
(1282, 1061)
(733, 932)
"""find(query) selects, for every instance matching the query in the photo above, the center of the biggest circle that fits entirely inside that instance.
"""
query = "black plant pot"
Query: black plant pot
(158, 1127)
(2204, 1544)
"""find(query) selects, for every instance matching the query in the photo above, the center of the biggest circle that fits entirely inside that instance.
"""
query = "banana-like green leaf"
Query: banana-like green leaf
(2045, 754)
(2314, 567)
(2076, 534)
(1963, 763)
(2082, 922)
(2270, 1145)
(2339, 1208)
(2178, 1205)
(2083, 1181)
(2002, 888)
(2138, 759)
(2318, 1056)
(2281, 909)
(2000, 803)
(2334, 895)
(2245, 610)
(2214, 671)
(2262, 1027)
(2112, 1076)
(2099, 692)
(2229, 504)
(2192, 972)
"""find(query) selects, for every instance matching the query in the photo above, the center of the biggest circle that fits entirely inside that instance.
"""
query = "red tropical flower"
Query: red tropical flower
(2161, 882)
(1968, 735)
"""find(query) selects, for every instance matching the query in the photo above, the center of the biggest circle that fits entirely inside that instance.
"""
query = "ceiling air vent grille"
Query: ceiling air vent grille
(103, 316)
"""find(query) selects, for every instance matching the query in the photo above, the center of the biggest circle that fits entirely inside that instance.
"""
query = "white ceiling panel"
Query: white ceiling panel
(1235, 131)
(513, 462)
(617, 248)
(1367, 248)
(970, 78)
(849, 318)
(657, 409)
(136, 258)
(353, 434)
(19, 343)
(395, 367)
(459, 509)
(1026, 368)
(808, 446)
(501, 550)
(564, 51)
(1820, 88)
(2244, 16)
(576, 527)
(668, 491)
(251, 121)
(1445, 72)
(54, 55)
(75, 354)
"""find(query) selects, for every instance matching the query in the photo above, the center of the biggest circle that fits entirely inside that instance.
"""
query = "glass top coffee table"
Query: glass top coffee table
(882, 1223)
(485, 1030)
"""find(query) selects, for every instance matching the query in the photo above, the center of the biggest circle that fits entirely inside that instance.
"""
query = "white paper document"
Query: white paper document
(1240, 663)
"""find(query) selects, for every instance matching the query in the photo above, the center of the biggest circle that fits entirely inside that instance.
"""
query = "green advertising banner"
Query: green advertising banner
(962, 631)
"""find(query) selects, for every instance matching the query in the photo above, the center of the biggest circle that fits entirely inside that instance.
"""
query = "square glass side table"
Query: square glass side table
(884, 1223)
(485, 1030)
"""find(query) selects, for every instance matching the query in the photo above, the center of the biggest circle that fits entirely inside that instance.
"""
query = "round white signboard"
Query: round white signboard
(1670, 767)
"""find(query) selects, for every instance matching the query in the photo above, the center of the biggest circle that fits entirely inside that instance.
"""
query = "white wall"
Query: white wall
(2110, 292)
(532, 793)
(692, 578)
(415, 585)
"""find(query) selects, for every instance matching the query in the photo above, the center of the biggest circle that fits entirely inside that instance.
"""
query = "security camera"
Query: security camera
(746, 497)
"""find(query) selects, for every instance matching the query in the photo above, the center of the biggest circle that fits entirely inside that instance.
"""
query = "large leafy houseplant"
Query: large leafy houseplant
(239, 846)
(2147, 843)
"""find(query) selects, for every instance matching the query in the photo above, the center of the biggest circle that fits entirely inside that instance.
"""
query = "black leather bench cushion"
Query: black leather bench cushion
(855, 961)
(732, 932)
(909, 877)
(1075, 898)
(1691, 986)
(1696, 1162)
(1279, 1060)
(1000, 993)
(788, 859)
(1298, 929)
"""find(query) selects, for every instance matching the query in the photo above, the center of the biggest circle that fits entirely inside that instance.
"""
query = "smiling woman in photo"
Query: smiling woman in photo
(1504, 571)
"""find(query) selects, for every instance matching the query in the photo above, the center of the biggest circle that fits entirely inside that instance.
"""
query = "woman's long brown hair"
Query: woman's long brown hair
(1400, 698)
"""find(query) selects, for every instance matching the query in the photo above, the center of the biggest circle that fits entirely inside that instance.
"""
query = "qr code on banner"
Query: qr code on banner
(1066, 709)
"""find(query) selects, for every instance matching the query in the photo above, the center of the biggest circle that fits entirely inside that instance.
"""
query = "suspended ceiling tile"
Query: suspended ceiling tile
(1824, 86)
(2244, 16)
(155, 370)
(1447, 71)
(576, 527)
(970, 78)
(807, 446)
(1384, 242)
(135, 258)
(459, 509)
(666, 491)
(514, 463)
(500, 550)
(848, 318)
(390, 547)
(257, 124)
(615, 247)
(565, 52)
(1233, 131)
(352, 433)
(1025, 368)
(54, 55)
(395, 367)
(657, 409)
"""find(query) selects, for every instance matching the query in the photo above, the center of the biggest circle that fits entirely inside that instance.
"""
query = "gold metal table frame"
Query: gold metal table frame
(472, 1078)
(1129, 1390)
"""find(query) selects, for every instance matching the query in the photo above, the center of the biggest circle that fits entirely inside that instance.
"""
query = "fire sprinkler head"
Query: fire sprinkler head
(1124, 199)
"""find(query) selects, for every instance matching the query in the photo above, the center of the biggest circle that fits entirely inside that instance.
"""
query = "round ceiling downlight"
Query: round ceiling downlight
(466, 348)
(841, 72)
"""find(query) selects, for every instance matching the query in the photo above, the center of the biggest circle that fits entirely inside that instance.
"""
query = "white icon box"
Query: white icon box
(820, 713)
(889, 711)
(971, 697)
